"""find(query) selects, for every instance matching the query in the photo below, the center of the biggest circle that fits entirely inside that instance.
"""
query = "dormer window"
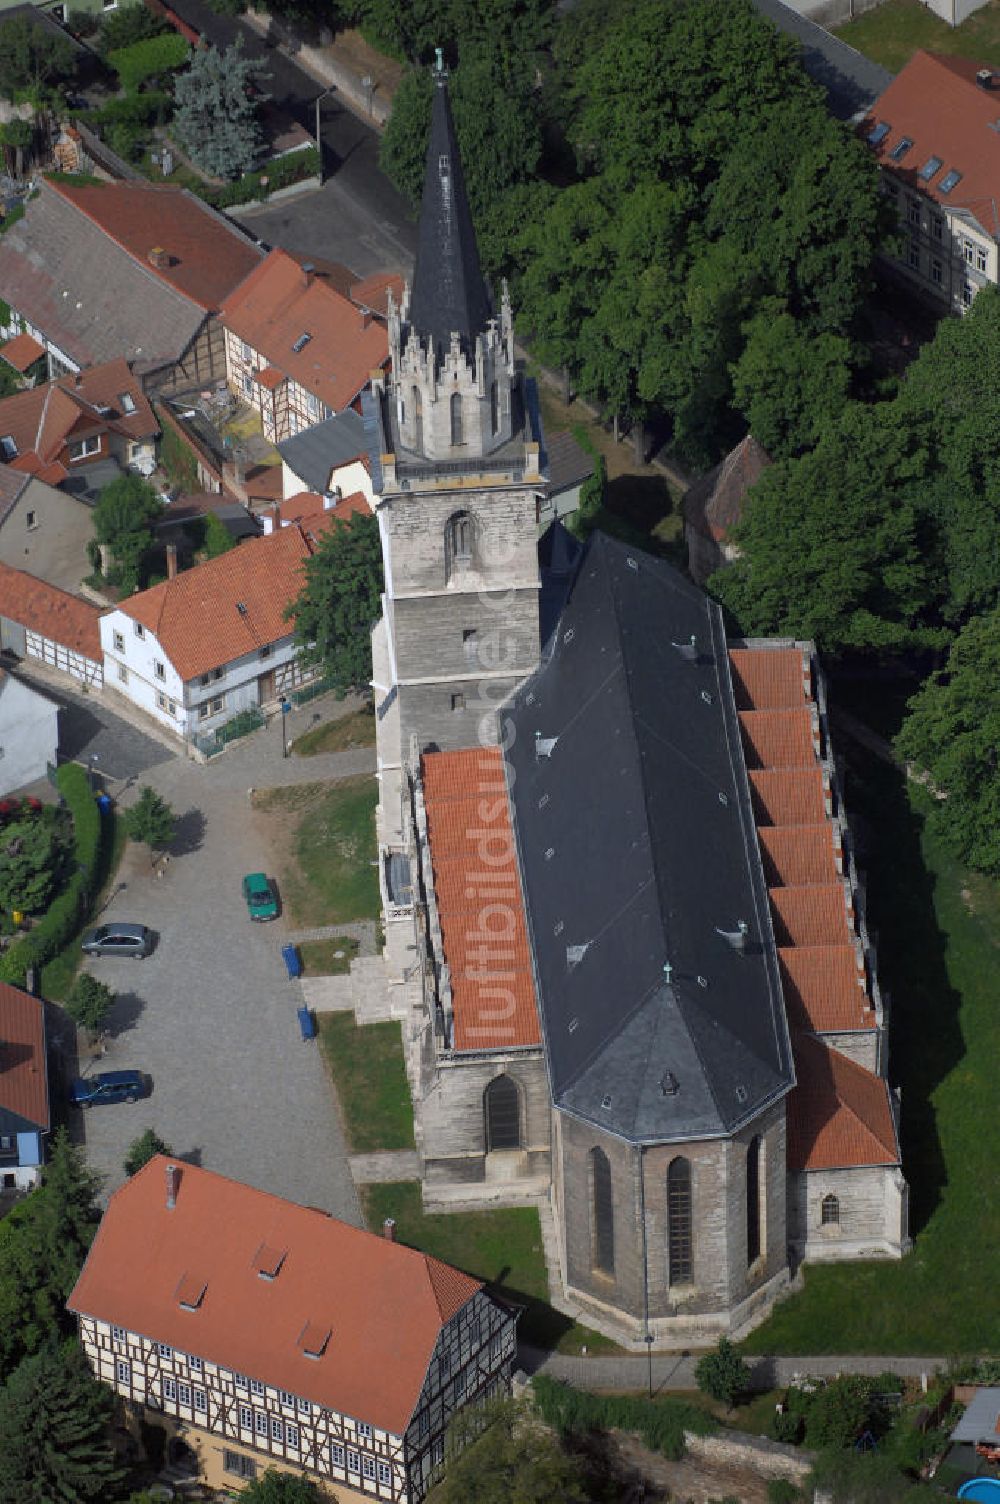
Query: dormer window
(314, 1338)
(127, 403)
(8, 448)
(267, 1261)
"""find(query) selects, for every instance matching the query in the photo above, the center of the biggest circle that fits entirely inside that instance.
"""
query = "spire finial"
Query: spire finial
(439, 60)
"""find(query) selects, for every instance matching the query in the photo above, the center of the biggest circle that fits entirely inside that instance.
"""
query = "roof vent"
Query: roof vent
(267, 1261)
(544, 744)
(569, 634)
(668, 972)
(632, 563)
(173, 1178)
(706, 697)
(159, 258)
(550, 852)
(984, 78)
(543, 801)
(669, 1084)
(191, 1291)
(606, 1101)
(702, 981)
(741, 1094)
(558, 927)
(573, 1025)
(575, 954)
(307, 266)
(723, 798)
(301, 343)
(389, 1229)
(687, 650)
(737, 938)
(313, 1339)
(241, 607)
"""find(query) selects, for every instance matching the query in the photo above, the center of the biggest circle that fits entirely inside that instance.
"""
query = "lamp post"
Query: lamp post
(93, 771)
(285, 708)
(368, 84)
(319, 143)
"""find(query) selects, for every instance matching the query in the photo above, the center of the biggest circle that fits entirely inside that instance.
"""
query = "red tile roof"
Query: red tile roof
(715, 503)
(809, 916)
(41, 419)
(787, 797)
(373, 292)
(777, 738)
(310, 506)
(22, 351)
(195, 617)
(936, 102)
(24, 1089)
(208, 255)
(53, 613)
(279, 302)
(382, 1304)
(839, 1115)
(769, 679)
(478, 889)
(795, 855)
(824, 989)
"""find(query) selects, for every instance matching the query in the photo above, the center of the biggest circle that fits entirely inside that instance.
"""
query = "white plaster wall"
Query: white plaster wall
(139, 655)
(29, 734)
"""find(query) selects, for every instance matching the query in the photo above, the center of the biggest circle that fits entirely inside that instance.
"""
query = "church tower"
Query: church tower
(457, 486)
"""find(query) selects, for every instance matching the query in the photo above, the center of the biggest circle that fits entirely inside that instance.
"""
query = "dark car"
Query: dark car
(108, 1086)
(118, 940)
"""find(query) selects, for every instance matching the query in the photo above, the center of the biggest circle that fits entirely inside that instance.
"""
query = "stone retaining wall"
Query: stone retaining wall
(769, 1459)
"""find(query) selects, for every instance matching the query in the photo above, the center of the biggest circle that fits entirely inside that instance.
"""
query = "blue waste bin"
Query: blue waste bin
(104, 803)
(292, 959)
(307, 1024)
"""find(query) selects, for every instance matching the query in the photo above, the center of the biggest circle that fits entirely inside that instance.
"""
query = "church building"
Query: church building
(625, 932)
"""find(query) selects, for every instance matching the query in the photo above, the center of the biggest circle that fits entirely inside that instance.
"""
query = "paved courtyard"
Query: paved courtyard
(211, 1015)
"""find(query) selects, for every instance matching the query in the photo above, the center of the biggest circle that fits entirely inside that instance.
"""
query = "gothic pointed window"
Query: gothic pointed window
(494, 408)
(458, 543)
(680, 1261)
(830, 1211)
(456, 419)
(753, 1200)
(602, 1213)
(502, 1107)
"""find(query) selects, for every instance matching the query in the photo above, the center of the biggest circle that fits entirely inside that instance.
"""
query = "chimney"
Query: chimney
(173, 1174)
(331, 498)
(984, 78)
(78, 380)
(389, 1229)
(268, 520)
(171, 561)
(159, 258)
(366, 317)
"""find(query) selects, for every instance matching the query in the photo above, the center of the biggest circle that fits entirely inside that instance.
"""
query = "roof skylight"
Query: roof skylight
(301, 342)
(900, 149)
(878, 133)
(930, 167)
(946, 184)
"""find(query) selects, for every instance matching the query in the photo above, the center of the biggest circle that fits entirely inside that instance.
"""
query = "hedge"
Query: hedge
(281, 172)
(661, 1424)
(64, 914)
(149, 59)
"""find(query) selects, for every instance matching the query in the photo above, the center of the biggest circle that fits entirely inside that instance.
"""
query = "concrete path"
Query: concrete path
(361, 930)
(676, 1370)
(386, 1165)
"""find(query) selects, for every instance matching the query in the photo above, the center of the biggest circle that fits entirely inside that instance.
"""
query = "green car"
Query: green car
(258, 893)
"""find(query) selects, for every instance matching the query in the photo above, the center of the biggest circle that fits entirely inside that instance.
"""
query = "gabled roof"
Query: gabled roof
(306, 330)
(373, 292)
(42, 418)
(323, 447)
(638, 860)
(493, 998)
(715, 503)
(825, 988)
(197, 617)
(76, 266)
(449, 294)
(567, 462)
(936, 104)
(22, 351)
(311, 511)
(809, 915)
(63, 618)
(778, 679)
(839, 1115)
(379, 1305)
(850, 79)
(797, 854)
(24, 1090)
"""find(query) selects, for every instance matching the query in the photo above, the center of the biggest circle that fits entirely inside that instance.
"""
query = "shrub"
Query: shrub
(132, 23)
(89, 1003)
(840, 1411)
(722, 1374)
(786, 1426)
(150, 58)
(780, 1491)
(661, 1424)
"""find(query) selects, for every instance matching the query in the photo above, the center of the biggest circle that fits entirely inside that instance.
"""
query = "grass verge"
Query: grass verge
(328, 958)
(892, 32)
(367, 1068)
(502, 1247)
(331, 877)
(58, 974)
(342, 735)
(938, 928)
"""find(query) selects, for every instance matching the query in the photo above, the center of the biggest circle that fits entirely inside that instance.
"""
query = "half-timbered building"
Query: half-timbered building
(259, 1333)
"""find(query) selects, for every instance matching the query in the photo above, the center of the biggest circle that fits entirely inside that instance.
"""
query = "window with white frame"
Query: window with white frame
(260, 1420)
(913, 212)
(277, 1429)
(84, 448)
(914, 256)
(200, 1400)
(248, 385)
(246, 1417)
(210, 707)
(184, 1394)
(169, 1389)
(159, 669)
(364, 1429)
(368, 1467)
(292, 1435)
(195, 1364)
(937, 227)
(119, 642)
(118, 1333)
(437, 1450)
(384, 1473)
(968, 293)
(968, 251)
(353, 1460)
(166, 704)
(982, 260)
(164, 1351)
(286, 1398)
(336, 1454)
(247, 353)
(256, 1387)
(937, 272)
(305, 1406)
(138, 629)
(241, 1467)
(240, 1380)
(31, 520)
(123, 1372)
(460, 1380)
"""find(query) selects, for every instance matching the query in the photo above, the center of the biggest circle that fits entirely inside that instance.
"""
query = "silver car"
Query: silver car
(118, 940)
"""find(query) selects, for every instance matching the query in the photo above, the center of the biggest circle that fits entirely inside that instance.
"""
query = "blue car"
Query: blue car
(108, 1086)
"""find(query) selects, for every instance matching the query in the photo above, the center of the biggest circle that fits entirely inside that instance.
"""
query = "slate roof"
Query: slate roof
(936, 102)
(314, 452)
(449, 295)
(851, 80)
(636, 846)
(196, 616)
(53, 613)
(89, 287)
(24, 1089)
(567, 463)
(380, 1305)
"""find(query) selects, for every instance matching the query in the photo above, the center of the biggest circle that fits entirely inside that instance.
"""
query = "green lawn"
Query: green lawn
(367, 1067)
(327, 958)
(332, 877)
(939, 956)
(892, 32)
(341, 735)
(502, 1247)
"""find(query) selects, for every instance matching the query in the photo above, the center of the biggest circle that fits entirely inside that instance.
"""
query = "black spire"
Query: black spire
(449, 295)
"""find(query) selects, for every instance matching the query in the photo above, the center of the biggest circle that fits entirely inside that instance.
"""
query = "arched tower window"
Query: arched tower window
(680, 1258)
(494, 408)
(830, 1211)
(416, 409)
(456, 419)
(602, 1213)
(753, 1200)
(502, 1109)
(458, 543)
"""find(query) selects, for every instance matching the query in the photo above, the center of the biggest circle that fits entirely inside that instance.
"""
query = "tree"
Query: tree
(143, 1149)
(124, 516)
(150, 820)
(217, 539)
(31, 854)
(340, 602)
(33, 58)
(790, 385)
(722, 1374)
(17, 135)
(273, 1487)
(215, 113)
(952, 732)
(840, 1410)
(89, 1003)
(592, 497)
(502, 1453)
(54, 1443)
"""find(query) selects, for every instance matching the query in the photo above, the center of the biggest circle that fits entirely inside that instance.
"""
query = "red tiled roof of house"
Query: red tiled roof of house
(208, 256)
(373, 292)
(41, 419)
(936, 103)
(809, 916)
(196, 617)
(769, 679)
(824, 989)
(22, 351)
(279, 303)
(51, 612)
(309, 505)
(379, 1305)
(777, 738)
(839, 1114)
(792, 796)
(476, 880)
(24, 1089)
(269, 378)
(795, 855)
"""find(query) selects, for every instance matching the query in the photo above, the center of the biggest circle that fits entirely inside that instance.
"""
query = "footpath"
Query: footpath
(626, 1371)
